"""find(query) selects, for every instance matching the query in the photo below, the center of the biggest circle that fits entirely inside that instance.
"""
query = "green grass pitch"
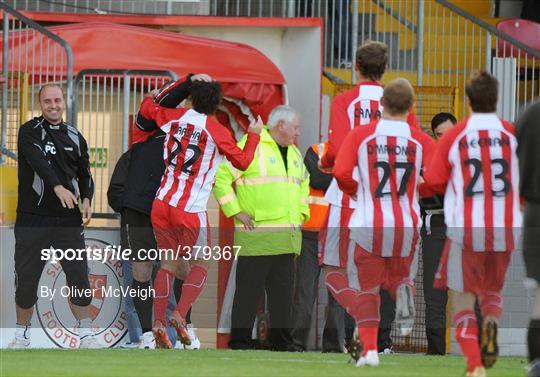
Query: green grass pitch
(167, 363)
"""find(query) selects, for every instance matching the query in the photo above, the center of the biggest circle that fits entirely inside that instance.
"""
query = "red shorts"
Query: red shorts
(179, 230)
(369, 271)
(470, 271)
(334, 238)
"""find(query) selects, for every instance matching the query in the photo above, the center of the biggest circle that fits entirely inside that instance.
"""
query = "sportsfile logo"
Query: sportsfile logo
(106, 311)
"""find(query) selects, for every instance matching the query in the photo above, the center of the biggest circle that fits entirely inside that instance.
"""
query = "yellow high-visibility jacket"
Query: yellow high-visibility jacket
(277, 201)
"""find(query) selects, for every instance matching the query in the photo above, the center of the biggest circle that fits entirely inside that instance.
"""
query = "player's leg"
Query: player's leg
(194, 231)
(335, 249)
(163, 283)
(195, 343)
(367, 276)
(490, 300)
(462, 273)
(466, 330)
(30, 238)
(401, 272)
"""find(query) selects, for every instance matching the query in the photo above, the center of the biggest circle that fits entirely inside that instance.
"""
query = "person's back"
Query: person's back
(476, 166)
(390, 155)
(194, 146)
(482, 198)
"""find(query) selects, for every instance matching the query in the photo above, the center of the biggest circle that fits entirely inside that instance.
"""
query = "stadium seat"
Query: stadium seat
(527, 32)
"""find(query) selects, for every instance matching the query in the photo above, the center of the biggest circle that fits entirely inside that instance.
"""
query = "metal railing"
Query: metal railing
(458, 43)
(31, 56)
(105, 107)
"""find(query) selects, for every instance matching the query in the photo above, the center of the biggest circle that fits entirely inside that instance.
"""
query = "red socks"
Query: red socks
(467, 338)
(491, 304)
(192, 287)
(367, 310)
(163, 287)
(338, 285)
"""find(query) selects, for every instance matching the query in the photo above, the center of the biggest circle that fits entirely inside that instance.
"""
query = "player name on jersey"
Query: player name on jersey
(484, 142)
(397, 150)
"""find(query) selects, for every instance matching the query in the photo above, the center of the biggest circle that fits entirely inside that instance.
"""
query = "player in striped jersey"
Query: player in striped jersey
(194, 146)
(356, 107)
(476, 167)
(388, 154)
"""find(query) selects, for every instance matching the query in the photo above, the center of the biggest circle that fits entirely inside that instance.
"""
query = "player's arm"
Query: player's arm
(317, 178)
(346, 162)
(338, 129)
(239, 158)
(30, 148)
(174, 92)
(152, 116)
(152, 112)
(428, 151)
(438, 169)
(412, 120)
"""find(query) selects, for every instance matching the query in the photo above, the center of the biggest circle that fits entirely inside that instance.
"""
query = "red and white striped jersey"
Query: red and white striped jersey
(476, 166)
(388, 155)
(193, 149)
(358, 106)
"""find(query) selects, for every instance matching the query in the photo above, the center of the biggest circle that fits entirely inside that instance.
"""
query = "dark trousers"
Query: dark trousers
(255, 275)
(339, 326)
(388, 313)
(432, 246)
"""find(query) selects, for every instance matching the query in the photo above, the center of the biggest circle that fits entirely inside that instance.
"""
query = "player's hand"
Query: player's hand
(256, 126)
(354, 197)
(66, 197)
(86, 211)
(245, 219)
(202, 77)
(324, 170)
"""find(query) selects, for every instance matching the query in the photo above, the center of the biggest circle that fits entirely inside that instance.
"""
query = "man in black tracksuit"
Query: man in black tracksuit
(54, 173)
(433, 239)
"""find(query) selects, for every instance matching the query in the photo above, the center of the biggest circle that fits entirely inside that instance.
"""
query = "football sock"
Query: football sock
(491, 304)
(338, 285)
(367, 318)
(467, 338)
(192, 287)
(177, 294)
(162, 286)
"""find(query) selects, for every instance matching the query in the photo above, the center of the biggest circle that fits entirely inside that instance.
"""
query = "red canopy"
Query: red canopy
(246, 73)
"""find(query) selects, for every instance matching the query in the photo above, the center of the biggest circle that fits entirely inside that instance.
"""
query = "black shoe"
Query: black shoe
(295, 348)
(488, 344)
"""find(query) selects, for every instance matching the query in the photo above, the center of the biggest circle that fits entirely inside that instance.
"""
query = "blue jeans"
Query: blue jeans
(134, 326)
